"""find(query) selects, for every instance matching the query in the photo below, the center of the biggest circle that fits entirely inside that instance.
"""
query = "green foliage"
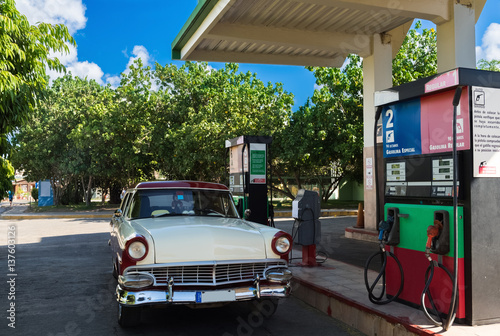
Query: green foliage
(417, 57)
(493, 65)
(84, 135)
(324, 139)
(34, 194)
(6, 176)
(24, 54)
(67, 138)
(199, 108)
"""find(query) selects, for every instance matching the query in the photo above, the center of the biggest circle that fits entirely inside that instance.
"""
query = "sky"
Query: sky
(110, 34)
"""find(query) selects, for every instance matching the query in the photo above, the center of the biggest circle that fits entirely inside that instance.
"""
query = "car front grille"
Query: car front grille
(208, 274)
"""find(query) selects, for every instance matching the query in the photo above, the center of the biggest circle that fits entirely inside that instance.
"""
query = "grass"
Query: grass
(94, 206)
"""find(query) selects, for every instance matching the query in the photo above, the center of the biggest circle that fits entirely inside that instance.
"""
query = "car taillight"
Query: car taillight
(282, 243)
(137, 248)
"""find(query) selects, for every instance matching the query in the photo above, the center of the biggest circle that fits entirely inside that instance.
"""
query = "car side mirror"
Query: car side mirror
(118, 213)
(248, 212)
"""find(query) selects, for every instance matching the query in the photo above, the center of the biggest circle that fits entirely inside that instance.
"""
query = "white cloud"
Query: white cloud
(138, 52)
(141, 52)
(69, 12)
(72, 14)
(86, 69)
(490, 48)
(114, 81)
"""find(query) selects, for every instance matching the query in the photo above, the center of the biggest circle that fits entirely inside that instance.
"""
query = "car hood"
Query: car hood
(204, 238)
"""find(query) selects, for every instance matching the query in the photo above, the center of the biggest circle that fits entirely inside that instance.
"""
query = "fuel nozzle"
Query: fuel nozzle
(383, 227)
(432, 232)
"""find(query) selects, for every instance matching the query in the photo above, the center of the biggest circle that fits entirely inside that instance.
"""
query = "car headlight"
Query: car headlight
(282, 242)
(137, 248)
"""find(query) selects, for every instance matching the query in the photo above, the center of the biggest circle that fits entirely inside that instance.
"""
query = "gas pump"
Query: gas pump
(248, 176)
(441, 154)
(306, 209)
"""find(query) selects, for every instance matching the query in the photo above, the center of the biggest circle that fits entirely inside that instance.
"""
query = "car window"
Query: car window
(125, 200)
(185, 202)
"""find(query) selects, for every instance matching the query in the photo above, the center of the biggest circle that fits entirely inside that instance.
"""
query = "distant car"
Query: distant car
(182, 242)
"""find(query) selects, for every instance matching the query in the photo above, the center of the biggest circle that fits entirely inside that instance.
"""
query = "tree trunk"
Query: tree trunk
(87, 190)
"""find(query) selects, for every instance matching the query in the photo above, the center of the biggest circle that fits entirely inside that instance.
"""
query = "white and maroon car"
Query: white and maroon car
(182, 242)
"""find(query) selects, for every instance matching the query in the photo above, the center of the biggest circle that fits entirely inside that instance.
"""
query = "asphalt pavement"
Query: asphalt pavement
(63, 285)
(335, 288)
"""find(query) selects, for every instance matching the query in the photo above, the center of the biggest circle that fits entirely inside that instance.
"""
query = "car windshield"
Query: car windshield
(182, 202)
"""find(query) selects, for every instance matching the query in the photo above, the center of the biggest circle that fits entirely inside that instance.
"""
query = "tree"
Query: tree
(493, 65)
(129, 128)
(200, 107)
(24, 55)
(323, 142)
(64, 141)
(34, 194)
(83, 134)
(6, 176)
(417, 57)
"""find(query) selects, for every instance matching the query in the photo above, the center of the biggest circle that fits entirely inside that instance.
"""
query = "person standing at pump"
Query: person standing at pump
(11, 196)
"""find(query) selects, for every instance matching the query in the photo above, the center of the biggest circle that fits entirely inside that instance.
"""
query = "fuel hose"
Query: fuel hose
(383, 254)
(429, 274)
(454, 298)
(380, 280)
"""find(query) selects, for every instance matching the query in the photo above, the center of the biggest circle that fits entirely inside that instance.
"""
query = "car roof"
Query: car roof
(180, 184)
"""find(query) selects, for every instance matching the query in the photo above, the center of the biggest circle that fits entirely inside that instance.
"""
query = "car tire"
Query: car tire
(128, 316)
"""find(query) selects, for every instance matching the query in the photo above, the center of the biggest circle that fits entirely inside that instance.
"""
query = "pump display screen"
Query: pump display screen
(396, 171)
(442, 170)
(419, 176)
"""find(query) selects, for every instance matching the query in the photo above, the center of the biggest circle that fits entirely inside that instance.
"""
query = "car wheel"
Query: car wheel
(129, 316)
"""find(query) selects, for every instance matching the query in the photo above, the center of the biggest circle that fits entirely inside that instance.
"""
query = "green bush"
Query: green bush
(34, 194)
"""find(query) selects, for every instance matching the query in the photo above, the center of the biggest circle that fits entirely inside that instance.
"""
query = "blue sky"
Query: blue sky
(111, 33)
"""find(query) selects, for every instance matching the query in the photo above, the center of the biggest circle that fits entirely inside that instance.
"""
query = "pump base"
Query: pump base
(309, 256)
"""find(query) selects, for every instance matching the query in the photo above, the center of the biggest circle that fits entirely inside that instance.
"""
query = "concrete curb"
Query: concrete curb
(53, 215)
(361, 234)
(354, 314)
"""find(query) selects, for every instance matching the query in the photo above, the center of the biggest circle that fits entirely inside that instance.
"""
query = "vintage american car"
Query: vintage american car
(183, 242)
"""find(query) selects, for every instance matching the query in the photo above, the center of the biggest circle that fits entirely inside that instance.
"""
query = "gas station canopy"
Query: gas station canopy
(299, 32)
(324, 33)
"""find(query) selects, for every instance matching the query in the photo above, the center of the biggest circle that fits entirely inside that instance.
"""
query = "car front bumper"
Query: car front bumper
(170, 296)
